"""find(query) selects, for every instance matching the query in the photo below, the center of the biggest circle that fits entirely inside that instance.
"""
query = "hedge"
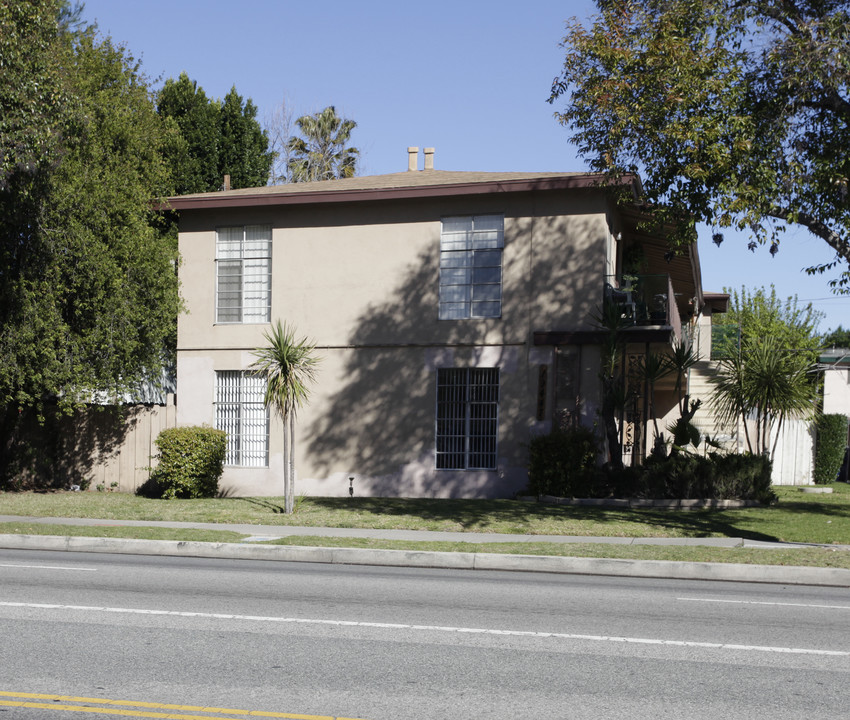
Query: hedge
(563, 463)
(829, 447)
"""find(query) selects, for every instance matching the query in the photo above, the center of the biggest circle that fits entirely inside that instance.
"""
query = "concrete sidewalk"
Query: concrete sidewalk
(249, 549)
(270, 532)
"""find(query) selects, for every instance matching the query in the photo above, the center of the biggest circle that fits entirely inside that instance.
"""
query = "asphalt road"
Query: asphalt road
(403, 643)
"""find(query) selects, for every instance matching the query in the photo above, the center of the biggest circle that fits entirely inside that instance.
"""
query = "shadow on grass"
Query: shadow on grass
(480, 515)
(261, 502)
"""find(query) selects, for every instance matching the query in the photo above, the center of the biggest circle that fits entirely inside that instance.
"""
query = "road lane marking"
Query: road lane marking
(764, 602)
(95, 705)
(438, 628)
(48, 567)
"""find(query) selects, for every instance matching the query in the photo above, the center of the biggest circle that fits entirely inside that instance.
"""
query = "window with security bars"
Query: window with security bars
(240, 412)
(471, 266)
(467, 418)
(243, 274)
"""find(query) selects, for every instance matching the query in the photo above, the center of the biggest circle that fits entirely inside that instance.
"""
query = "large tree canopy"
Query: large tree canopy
(88, 288)
(220, 137)
(735, 113)
(761, 313)
(194, 160)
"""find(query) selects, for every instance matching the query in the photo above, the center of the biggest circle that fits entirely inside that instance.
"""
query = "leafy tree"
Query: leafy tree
(219, 138)
(88, 288)
(243, 153)
(839, 338)
(761, 313)
(195, 160)
(321, 154)
(70, 17)
(289, 366)
(32, 106)
(734, 113)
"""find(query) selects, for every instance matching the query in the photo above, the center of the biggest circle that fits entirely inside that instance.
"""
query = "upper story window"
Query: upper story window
(243, 260)
(471, 266)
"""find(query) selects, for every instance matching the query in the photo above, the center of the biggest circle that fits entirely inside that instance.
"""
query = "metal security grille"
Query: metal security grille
(243, 274)
(467, 418)
(471, 266)
(240, 412)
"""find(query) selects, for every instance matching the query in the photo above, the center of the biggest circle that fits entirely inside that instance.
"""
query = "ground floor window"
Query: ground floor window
(467, 418)
(240, 412)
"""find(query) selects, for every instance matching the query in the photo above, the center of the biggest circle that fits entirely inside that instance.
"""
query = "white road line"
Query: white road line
(762, 602)
(49, 567)
(436, 628)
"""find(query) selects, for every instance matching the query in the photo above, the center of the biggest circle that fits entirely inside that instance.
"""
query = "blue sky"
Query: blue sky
(469, 78)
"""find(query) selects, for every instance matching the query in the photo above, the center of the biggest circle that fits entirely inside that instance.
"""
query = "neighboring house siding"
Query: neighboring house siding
(836, 390)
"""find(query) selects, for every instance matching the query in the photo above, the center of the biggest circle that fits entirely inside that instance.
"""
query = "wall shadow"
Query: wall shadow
(381, 429)
(59, 451)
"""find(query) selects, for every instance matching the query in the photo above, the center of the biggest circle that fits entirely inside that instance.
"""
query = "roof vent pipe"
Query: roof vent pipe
(412, 158)
(429, 158)
(227, 182)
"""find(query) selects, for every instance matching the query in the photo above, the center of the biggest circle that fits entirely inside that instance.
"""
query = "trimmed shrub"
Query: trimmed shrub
(191, 461)
(563, 463)
(829, 447)
(741, 477)
(711, 477)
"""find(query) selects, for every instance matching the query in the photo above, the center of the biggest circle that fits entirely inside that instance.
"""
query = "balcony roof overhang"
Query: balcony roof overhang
(663, 334)
(681, 264)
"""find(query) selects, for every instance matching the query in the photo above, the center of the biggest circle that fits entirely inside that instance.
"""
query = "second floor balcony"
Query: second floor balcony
(645, 300)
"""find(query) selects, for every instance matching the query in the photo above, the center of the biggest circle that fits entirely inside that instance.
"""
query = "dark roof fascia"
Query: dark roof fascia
(718, 302)
(663, 334)
(222, 200)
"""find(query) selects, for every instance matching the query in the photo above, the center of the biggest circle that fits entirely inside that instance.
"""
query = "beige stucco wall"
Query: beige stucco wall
(361, 280)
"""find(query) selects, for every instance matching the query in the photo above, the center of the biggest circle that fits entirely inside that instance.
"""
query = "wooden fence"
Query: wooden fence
(113, 448)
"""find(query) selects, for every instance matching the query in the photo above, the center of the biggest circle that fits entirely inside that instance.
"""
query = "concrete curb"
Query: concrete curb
(832, 577)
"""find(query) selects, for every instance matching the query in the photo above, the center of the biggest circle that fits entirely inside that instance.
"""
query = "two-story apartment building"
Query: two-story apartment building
(452, 312)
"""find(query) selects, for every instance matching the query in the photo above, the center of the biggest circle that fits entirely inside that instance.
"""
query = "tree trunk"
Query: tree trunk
(286, 452)
(612, 434)
(290, 498)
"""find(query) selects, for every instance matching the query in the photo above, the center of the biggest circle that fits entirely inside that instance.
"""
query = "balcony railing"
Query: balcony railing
(646, 300)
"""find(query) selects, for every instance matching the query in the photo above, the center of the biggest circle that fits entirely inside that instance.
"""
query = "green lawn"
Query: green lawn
(797, 517)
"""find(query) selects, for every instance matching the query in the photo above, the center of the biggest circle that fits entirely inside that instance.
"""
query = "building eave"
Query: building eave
(324, 194)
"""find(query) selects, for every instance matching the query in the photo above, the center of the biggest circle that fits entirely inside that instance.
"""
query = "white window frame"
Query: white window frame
(467, 419)
(241, 413)
(243, 262)
(471, 266)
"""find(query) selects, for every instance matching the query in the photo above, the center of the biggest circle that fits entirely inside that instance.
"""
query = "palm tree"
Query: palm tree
(615, 392)
(321, 153)
(654, 367)
(764, 383)
(682, 358)
(288, 367)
